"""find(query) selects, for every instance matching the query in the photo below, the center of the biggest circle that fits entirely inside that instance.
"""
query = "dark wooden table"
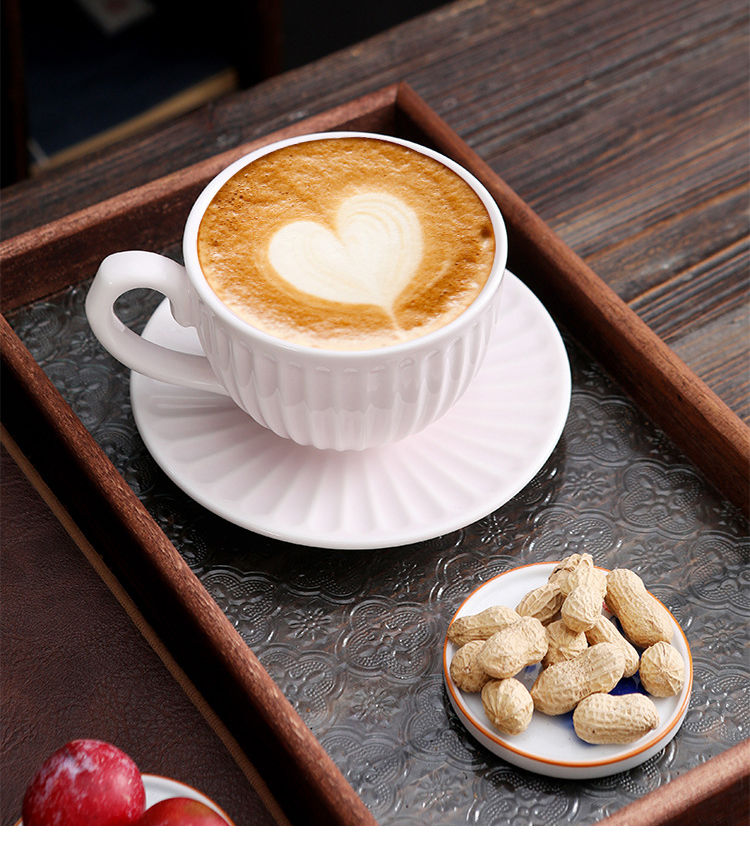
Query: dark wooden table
(623, 125)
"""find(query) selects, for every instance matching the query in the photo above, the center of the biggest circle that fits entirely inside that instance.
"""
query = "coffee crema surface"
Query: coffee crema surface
(346, 243)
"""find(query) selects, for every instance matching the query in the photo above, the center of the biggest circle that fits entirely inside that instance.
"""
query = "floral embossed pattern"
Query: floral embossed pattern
(354, 639)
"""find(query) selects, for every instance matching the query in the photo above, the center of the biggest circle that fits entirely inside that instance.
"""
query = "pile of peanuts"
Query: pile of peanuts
(583, 655)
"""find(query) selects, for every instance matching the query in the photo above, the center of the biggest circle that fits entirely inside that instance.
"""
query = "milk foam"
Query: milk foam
(346, 243)
(369, 257)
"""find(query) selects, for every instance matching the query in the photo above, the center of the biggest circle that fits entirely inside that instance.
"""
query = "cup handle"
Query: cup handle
(128, 270)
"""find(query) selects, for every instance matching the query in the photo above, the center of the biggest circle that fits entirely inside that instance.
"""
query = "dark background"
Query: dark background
(73, 80)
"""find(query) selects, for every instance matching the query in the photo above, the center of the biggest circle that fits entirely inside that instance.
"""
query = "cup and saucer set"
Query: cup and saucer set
(491, 407)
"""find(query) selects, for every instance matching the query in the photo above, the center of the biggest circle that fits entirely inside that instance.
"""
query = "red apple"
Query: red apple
(85, 783)
(180, 811)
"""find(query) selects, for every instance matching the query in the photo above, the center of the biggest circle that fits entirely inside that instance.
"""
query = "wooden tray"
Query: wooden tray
(174, 601)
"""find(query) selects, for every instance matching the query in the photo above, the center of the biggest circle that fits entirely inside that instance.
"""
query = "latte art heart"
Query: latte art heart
(369, 257)
(346, 243)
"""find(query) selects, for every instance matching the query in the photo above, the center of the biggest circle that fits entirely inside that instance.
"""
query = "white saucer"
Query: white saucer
(464, 466)
(550, 745)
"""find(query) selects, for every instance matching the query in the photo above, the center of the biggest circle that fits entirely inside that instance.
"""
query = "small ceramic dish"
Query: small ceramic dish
(550, 745)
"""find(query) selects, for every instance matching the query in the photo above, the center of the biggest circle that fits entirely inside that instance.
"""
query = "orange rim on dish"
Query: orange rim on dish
(456, 695)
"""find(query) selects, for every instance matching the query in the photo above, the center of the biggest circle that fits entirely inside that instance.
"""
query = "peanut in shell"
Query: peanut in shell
(481, 626)
(582, 607)
(465, 670)
(543, 603)
(560, 687)
(508, 705)
(644, 620)
(515, 647)
(662, 670)
(602, 719)
(563, 644)
(604, 630)
(562, 571)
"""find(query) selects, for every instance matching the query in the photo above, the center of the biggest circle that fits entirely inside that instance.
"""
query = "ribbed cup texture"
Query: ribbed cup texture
(352, 403)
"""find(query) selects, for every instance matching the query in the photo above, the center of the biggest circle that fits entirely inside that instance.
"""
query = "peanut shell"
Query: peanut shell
(561, 686)
(601, 719)
(464, 669)
(662, 670)
(481, 626)
(515, 647)
(508, 705)
(582, 607)
(563, 570)
(604, 630)
(644, 620)
(543, 603)
(562, 643)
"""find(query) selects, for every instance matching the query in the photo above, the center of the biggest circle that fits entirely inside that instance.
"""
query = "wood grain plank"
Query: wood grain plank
(674, 397)
(718, 351)
(628, 63)
(689, 299)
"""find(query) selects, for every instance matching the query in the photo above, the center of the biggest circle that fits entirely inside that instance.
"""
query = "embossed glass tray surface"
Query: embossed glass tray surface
(354, 639)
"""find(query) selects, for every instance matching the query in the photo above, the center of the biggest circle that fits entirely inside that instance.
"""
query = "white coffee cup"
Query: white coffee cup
(330, 399)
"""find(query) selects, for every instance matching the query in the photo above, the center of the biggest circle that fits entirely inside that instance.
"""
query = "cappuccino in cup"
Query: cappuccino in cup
(346, 243)
(343, 286)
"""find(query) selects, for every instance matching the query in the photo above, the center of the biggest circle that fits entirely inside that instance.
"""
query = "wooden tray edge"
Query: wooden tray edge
(717, 792)
(26, 389)
(62, 515)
